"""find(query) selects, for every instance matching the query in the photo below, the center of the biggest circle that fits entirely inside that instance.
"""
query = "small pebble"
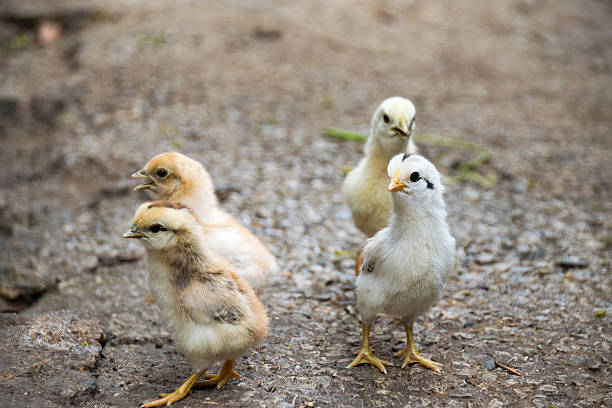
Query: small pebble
(489, 364)
(573, 263)
(485, 259)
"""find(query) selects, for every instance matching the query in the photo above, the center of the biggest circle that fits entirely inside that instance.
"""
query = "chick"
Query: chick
(406, 264)
(212, 312)
(364, 187)
(178, 178)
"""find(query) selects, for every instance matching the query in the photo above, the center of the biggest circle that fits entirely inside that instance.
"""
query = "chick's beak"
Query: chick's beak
(396, 184)
(402, 129)
(142, 173)
(132, 234)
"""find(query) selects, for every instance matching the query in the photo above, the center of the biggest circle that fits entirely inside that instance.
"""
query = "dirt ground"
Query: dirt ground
(247, 87)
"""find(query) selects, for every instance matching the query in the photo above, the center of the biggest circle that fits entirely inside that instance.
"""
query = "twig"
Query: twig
(465, 169)
(505, 367)
(345, 134)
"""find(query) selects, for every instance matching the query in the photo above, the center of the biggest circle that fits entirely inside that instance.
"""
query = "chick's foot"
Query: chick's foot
(412, 355)
(227, 372)
(180, 393)
(366, 356)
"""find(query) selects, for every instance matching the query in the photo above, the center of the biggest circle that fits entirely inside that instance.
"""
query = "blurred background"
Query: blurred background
(90, 90)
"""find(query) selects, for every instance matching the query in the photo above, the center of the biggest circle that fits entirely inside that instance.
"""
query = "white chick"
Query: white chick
(364, 187)
(406, 264)
(213, 313)
(178, 178)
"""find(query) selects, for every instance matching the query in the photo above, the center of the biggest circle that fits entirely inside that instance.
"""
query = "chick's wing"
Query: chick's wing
(370, 255)
(217, 300)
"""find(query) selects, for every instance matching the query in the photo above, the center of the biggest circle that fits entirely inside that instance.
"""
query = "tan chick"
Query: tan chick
(178, 178)
(213, 314)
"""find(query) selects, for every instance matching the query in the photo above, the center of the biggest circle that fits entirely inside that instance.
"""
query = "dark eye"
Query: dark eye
(161, 173)
(155, 228)
(385, 118)
(414, 177)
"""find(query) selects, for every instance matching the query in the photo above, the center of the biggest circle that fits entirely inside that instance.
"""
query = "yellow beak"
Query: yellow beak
(144, 186)
(404, 124)
(402, 129)
(132, 234)
(396, 184)
(142, 173)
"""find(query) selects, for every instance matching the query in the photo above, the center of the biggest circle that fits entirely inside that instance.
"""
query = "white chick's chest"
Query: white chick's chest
(408, 279)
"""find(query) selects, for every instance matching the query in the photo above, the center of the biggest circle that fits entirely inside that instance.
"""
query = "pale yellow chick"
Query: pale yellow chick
(365, 187)
(213, 313)
(178, 178)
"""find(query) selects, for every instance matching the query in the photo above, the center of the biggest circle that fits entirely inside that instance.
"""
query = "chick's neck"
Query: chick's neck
(187, 260)
(379, 154)
(410, 212)
(202, 200)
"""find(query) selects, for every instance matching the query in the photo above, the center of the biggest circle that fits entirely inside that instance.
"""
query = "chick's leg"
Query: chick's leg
(227, 372)
(180, 393)
(412, 354)
(365, 355)
(358, 261)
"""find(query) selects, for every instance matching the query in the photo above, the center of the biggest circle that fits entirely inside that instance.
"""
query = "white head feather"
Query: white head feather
(415, 181)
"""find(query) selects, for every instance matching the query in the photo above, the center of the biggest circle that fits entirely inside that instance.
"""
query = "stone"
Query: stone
(489, 364)
(573, 262)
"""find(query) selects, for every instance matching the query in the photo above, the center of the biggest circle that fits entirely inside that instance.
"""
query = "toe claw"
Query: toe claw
(227, 372)
(366, 356)
(413, 357)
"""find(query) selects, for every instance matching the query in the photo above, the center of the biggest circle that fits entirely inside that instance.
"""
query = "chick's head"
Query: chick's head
(161, 224)
(394, 121)
(172, 176)
(413, 176)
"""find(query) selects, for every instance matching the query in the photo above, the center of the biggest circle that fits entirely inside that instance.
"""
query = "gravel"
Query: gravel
(247, 89)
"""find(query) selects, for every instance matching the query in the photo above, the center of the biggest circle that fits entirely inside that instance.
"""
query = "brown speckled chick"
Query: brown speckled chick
(175, 177)
(214, 315)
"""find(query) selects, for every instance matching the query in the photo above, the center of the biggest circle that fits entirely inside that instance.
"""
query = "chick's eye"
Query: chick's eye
(155, 228)
(414, 177)
(162, 173)
(385, 118)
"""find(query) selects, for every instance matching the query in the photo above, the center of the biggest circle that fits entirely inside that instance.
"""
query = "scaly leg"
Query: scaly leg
(180, 393)
(412, 354)
(365, 355)
(227, 372)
